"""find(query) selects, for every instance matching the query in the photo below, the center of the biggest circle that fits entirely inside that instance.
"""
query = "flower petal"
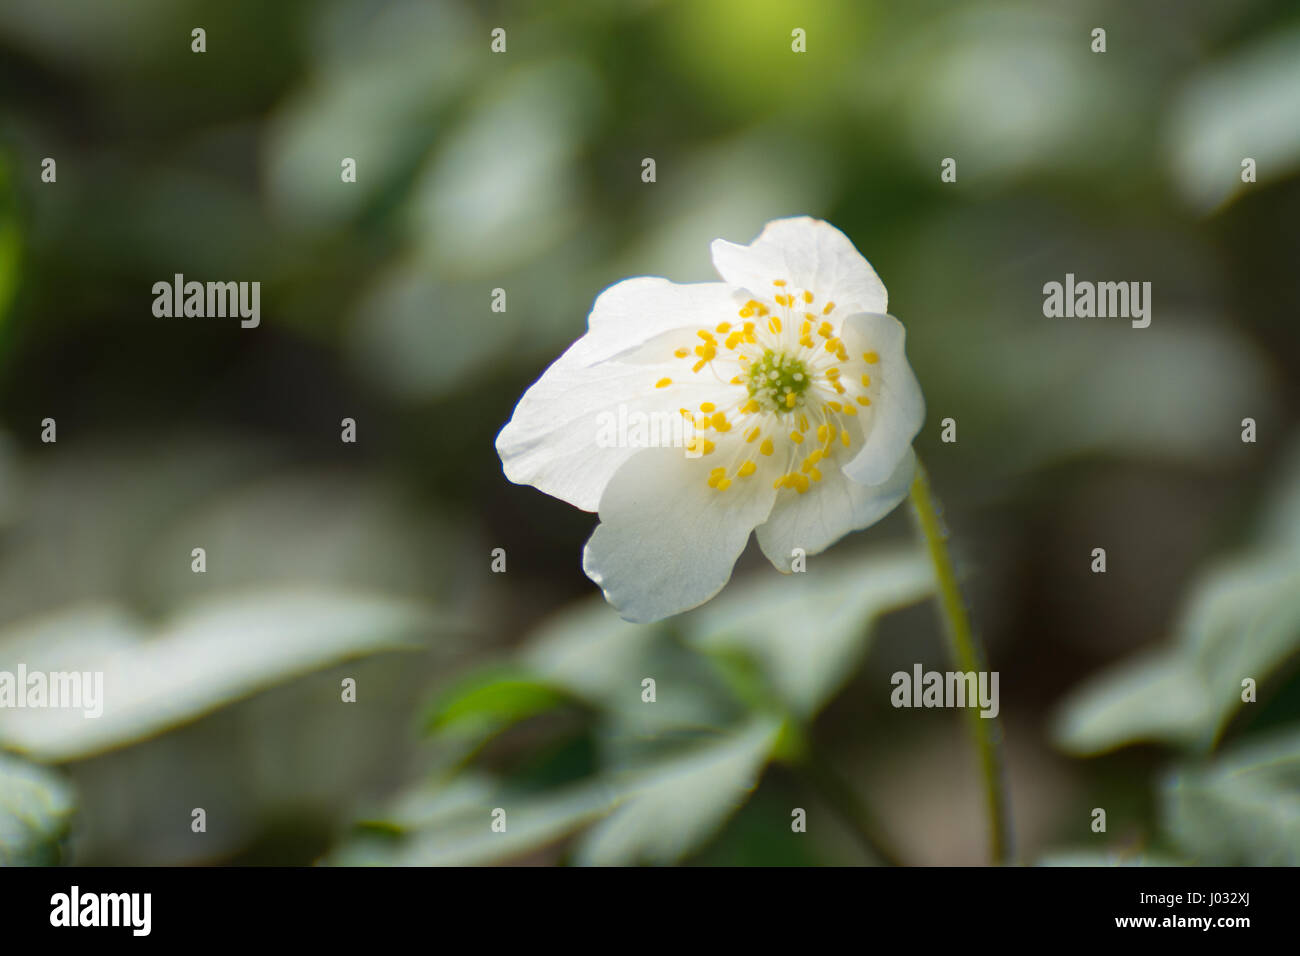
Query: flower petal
(552, 440)
(631, 312)
(667, 541)
(898, 410)
(829, 510)
(809, 254)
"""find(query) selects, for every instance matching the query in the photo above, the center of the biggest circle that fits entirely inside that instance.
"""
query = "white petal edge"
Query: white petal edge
(832, 508)
(550, 440)
(809, 254)
(898, 410)
(667, 542)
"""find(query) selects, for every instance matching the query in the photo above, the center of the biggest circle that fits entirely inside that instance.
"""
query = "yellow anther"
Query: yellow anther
(832, 345)
(807, 341)
(723, 327)
(807, 296)
(734, 339)
(706, 335)
(796, 438)
(724, 484)
(825, 432)
(762, 309)
(832, 373)
(766, 447)
(829, 307)
(866, 381)
(752, 434)
(779, 282)
(774, 323)
(747, 469)
(863, 400)
(790, 399)
(844, 437)
(708, 447)
(746, 312)
(800, 483)
(824, 330)
(840, 389)
(682, 353)
(737, 380)
(707, 406)
(841, 353)
(699, 365)
(803, 423)
(871, 358)
(783, 300)
(702, 423)
(849, 410)
(814, 474)
(716, 473)
(835, 406)
(663, 383)
(720, 422)
(749, 407)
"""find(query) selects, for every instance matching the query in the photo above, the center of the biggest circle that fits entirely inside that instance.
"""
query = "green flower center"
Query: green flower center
(777, 380)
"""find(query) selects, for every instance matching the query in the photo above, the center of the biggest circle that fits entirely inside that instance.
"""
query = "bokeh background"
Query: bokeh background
(522, 171)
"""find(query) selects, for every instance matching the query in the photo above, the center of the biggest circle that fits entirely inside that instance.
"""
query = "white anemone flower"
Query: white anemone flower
(799, 405)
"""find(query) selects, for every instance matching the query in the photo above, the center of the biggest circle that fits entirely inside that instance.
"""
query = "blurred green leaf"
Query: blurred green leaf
(669, 809)
(217, 652)
(451, 825)
(809, 631)
(489, 701)
(35, 810)
(1245, 105)
(1241, 620)
(1242, 810)
(596, 656)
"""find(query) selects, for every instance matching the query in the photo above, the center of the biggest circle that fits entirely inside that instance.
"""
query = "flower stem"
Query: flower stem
(968, 657)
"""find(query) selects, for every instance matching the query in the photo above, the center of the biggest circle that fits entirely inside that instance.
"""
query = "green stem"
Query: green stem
(967, 656)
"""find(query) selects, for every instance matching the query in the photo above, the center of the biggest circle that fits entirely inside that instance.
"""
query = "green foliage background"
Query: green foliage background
(522, 171)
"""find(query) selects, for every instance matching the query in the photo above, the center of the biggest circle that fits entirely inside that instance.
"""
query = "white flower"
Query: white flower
(803, 403)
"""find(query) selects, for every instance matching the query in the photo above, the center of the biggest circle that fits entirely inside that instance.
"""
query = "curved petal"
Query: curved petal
(898, 407)
(554, 439)
(667, 541)
(631, 312)
(831, 509)
(809, 253)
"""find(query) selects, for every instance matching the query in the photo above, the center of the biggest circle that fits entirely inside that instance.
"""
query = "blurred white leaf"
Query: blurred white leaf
(215, 653)
(381, 76)
(503, 186)
(1247, 105)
